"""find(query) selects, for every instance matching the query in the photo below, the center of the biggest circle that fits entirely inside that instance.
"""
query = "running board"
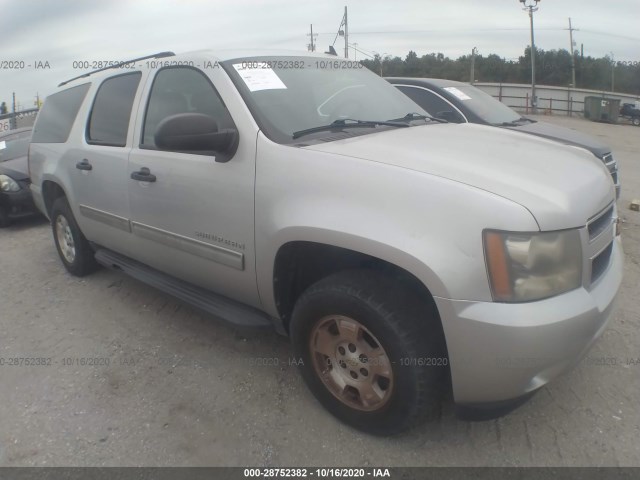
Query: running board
(222, 307)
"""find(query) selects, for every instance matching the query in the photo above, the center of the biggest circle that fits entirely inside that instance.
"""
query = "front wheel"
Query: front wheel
(636, 121)
(372, 353)
(74, 249)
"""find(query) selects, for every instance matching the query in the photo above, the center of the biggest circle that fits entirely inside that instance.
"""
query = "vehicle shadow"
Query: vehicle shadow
(26, 223)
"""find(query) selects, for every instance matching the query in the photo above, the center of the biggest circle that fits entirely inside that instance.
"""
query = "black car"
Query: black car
(15, 196)
(459, 102)
(632, 112)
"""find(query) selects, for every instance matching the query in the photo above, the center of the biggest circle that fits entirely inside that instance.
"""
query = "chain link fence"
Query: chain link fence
(24, 118)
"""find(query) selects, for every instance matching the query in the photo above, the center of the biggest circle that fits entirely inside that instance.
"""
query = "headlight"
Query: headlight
(525, 267)
(8, 184)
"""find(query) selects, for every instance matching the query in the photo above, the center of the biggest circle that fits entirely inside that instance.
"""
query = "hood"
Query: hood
(564, 135)
(560, 185)
(18, 168)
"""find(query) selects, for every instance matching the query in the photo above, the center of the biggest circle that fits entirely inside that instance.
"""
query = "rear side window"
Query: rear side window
(432, 103)
(109, 120)
(58, 114)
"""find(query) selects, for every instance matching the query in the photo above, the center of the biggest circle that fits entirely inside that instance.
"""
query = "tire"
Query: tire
(403, 391)
(5, 221)
(74, 249)
(636, 121)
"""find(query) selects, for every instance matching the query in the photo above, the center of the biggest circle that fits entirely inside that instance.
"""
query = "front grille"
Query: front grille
(600, 262)
(600, 222)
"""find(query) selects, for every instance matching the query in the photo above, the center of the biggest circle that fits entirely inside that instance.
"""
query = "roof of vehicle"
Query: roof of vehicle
(431, 82)
(214, 55)
(14, 131)
(230, 54)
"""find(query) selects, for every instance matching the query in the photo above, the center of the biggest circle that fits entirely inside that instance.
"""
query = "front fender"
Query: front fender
(428, 225)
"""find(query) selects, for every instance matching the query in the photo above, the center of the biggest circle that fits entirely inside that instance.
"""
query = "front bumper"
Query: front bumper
(20, 203)
(501, 352)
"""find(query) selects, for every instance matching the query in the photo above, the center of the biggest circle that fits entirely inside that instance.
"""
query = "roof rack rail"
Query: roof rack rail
(117, 65)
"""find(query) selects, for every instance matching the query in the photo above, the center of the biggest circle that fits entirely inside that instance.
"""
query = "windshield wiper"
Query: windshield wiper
(515, 123)
(346, 123)
(418, 116)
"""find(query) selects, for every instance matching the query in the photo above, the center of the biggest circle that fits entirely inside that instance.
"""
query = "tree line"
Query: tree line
(553, 67)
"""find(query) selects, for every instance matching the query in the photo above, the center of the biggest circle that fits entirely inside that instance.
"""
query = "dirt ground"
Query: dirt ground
(167, 385)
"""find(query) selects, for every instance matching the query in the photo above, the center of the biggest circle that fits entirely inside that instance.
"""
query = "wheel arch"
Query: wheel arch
(51, 191)
(301, 263)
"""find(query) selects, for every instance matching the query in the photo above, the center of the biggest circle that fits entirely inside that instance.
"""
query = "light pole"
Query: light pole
(472, 77)
(532, 6)
(382, 57)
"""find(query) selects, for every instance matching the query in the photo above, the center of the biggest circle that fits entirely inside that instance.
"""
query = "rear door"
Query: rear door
(195, 219)
(99, 170)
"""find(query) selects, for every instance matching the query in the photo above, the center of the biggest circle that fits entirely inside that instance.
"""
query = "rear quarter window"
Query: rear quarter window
(58, 114)
(111, 111)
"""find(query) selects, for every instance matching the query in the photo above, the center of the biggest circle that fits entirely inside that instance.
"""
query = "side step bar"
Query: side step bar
(222, 307)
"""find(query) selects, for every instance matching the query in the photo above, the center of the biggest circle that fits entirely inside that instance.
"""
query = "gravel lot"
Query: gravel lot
(181, 388)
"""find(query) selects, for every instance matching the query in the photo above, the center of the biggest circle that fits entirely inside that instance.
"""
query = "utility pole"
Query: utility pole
(355, 51)
(532, 8)
(474, 50)
(573, 58)
(311, 46)
(13, 110)
(346, 34)
(613, 68)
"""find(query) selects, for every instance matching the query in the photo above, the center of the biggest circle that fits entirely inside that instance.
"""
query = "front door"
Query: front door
(193, 217)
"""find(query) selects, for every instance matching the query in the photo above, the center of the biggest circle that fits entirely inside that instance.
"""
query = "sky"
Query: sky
(53, 34)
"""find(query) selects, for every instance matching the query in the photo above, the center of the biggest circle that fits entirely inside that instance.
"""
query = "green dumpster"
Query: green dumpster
(600, 109)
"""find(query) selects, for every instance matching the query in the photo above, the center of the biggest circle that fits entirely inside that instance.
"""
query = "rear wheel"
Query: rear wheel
(74, 249)
(636, 121)
(372, 353)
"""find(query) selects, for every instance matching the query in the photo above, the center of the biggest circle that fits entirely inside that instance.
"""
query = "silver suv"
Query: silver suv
(306, 193)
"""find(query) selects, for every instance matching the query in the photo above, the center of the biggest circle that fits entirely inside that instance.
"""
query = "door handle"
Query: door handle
(143, 175)
(84, 165)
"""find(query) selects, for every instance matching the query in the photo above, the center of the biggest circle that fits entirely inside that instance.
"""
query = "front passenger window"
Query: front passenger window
(181, 90)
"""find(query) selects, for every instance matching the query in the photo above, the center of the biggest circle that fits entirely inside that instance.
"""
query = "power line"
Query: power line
(607, 34)
(354, 46)
(472, 30)
(476, 30)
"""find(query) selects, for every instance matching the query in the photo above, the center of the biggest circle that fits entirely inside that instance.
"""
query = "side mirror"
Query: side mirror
(196, 133)
(449, 116)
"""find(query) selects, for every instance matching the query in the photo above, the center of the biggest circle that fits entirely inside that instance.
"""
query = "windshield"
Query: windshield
(484, 105)
(14, 146)
(292, 94)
